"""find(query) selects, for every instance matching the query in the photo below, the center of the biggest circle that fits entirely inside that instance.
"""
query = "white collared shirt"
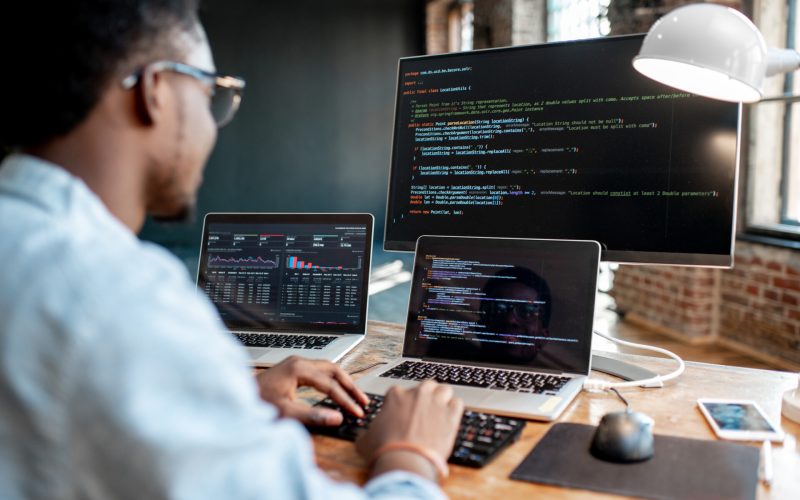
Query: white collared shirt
(118, 380)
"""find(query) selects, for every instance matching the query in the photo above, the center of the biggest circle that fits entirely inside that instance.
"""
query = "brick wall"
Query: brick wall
(436, 26)
(676, 300)
(759, 303)
(753, 308)
(493, 23)
(497, 23)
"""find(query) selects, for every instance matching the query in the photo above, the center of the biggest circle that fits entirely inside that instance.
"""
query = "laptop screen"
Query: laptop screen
(288, 272)
(513, 302)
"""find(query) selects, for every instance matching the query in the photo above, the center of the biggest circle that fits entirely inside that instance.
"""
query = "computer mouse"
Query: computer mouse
(623, 436)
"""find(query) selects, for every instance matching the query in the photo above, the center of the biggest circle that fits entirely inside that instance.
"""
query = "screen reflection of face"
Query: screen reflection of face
(515, 311)
(516, 314)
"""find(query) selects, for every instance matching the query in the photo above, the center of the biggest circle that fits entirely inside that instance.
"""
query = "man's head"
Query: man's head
(83, 75)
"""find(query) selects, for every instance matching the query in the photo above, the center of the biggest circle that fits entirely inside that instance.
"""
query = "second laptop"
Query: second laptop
(506, 322)
(289, 284)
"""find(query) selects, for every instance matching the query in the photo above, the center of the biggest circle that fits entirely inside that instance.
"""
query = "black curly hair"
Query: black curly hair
(59, 56)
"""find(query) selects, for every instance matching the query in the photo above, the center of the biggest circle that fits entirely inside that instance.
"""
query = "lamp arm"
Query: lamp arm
(782, 61)
(782, 98)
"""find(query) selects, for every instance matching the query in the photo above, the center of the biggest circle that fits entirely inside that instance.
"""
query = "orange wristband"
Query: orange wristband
(438, 463)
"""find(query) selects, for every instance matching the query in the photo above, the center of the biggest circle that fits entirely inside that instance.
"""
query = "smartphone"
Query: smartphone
(739, 419)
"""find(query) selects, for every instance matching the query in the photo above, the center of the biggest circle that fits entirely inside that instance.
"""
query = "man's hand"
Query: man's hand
(278, 385)
(427, 415)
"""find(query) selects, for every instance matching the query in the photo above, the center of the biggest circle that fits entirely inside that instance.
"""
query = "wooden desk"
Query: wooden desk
(673, 408)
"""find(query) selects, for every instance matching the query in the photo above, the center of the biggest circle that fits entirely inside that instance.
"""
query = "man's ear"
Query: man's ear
(150, 97)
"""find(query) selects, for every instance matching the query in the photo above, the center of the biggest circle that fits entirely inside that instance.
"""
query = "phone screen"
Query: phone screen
(738, 417)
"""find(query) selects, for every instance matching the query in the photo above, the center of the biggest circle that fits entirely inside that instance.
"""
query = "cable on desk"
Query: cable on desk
(590, 383)
(620, 396)
(370, 366)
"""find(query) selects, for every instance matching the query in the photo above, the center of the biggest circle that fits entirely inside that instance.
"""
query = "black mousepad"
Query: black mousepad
(680, 467)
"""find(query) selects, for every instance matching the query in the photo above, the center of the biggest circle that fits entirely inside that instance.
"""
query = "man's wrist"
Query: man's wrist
(408, 461)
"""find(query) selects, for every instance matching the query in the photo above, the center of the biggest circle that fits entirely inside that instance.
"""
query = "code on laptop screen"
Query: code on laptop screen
(527, 303)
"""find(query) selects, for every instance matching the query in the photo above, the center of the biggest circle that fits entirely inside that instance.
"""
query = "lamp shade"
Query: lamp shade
(706, 49)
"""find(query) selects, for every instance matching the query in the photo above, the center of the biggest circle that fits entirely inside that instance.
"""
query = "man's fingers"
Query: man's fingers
(321, 375)
(325, 383)
(456, 406)
(310, 415)
(427, 386)
(340, 396)
(443, 393)
(325, 377)
(346, 381)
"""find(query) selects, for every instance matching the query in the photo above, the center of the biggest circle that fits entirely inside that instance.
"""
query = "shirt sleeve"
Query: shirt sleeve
(164, 406)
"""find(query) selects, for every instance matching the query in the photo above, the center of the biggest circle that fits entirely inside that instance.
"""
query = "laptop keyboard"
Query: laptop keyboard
(284, 341)
(489, 378)
(481, 436)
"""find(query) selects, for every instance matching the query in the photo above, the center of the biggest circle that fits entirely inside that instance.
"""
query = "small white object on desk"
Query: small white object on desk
(766, 463)
(791, 404)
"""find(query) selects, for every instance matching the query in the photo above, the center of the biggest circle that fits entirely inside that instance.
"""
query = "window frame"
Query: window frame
(785, 230)
(786, 153)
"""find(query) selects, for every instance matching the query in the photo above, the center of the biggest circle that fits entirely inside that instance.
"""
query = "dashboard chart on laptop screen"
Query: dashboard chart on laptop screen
(284, 274)
(562, 140)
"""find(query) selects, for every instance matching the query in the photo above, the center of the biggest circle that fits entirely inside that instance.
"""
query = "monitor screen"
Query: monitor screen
(287, 272)
(562, 140)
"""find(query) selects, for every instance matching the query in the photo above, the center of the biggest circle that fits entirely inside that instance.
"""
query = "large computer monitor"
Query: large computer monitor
(562, 140)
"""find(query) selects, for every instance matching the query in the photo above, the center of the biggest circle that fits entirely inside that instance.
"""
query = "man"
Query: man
(116, 379)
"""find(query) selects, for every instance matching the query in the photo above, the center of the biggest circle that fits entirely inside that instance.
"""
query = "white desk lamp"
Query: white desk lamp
(713, 51)
(716, 52)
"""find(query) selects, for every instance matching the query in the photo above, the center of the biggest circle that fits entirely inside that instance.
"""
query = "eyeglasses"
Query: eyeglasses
(226, 91)
(522, 310)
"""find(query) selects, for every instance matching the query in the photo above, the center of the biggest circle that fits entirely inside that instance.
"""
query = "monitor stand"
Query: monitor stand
(622, 369)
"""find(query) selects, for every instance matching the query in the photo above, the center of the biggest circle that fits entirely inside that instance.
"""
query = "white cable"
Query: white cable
(598, 384)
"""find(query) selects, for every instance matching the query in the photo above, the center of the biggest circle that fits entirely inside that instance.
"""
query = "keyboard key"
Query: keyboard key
(480, 438)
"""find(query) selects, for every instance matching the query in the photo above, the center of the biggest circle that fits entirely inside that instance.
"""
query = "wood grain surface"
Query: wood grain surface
(673, 408)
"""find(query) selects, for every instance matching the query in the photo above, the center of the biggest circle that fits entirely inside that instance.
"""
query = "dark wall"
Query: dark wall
(314, 130)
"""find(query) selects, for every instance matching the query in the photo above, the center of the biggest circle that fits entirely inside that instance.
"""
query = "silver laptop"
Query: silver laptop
(289, 284)
(506, 322)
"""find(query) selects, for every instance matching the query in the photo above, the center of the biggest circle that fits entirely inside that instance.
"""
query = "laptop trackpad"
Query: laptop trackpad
(516, 402)
(256, 352)
(473, 397)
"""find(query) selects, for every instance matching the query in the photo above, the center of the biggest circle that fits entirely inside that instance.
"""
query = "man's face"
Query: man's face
(187, 136)
(520, 317)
